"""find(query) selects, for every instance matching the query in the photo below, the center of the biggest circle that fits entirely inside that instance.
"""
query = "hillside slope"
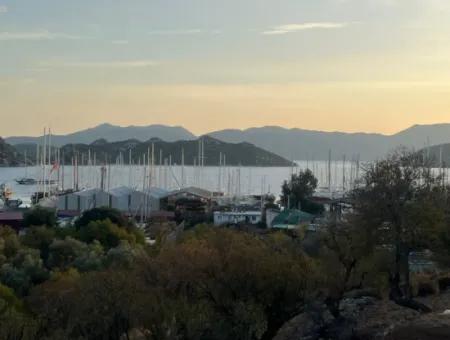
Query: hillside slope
(8, 155)
(244, 154)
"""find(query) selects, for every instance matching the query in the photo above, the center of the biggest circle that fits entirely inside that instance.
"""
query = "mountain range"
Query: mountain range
(295, 144)
(112, 133)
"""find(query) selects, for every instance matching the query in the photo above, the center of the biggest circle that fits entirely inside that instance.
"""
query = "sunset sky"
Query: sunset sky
(349, 65)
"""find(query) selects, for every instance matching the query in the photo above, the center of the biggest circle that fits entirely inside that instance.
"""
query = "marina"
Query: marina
(232, 181)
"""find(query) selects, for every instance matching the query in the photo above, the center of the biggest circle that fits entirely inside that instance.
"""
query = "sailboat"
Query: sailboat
(26, 180)
(46, 195)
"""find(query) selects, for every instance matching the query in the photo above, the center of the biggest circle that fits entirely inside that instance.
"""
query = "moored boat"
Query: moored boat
(26, 181)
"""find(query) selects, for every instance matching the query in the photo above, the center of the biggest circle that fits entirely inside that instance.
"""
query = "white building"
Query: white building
(237, 217)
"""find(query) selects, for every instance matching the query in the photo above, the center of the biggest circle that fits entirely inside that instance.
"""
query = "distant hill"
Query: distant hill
(437, 153)
(306, 144)
(112, 133)
(8, 155)
(294, 144)
(244, 154)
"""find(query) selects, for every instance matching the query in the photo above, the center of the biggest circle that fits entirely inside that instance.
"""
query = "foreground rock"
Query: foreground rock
(430, 327)
(366, 318)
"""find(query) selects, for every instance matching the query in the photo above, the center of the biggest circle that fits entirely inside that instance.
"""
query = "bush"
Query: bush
(102, 214)
(107, 233)
(39, 216)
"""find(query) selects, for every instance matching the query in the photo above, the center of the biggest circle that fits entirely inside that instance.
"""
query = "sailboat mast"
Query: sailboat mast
(182, 168)
(44, 160)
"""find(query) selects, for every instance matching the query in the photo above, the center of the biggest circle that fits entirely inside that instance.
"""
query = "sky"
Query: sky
(346, 65)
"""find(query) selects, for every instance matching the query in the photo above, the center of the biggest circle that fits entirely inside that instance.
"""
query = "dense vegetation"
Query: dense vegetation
(98, 279)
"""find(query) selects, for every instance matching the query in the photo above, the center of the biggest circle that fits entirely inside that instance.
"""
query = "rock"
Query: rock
(430, 327)
(306, 326)
(379, 319)
(351, 308)
(302, 327)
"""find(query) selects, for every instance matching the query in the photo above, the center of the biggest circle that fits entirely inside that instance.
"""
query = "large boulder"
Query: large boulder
(306, 326)
(429, 327)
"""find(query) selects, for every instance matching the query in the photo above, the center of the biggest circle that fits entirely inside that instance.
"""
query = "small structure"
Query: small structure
(292, 219)
(154, 197)
(237, 217)
(189, 193)
(84, 200)
(126, 200)
(13, 219)
(271, 214)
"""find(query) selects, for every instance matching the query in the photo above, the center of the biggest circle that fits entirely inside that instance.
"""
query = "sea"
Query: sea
(231, 180)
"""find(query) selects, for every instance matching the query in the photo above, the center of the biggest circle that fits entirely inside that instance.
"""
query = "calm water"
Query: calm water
(231, 180)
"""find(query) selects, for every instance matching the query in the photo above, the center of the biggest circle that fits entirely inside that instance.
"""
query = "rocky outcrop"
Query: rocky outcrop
(369, 318)
(429, 327)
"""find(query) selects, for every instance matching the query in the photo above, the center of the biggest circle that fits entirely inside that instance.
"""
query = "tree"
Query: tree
(123, 256)
(9, 243)
(298, 191)
(400, 202)
(347, 261)
(39, 216)
(15, 322)
(39, 238)
(107, 233)
(223, 284)
(102, 214)
(96, 305)
(23, 271)
(63, 253)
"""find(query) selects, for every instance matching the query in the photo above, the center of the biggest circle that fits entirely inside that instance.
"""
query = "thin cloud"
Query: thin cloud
(292, 28)
(106, 64)
(193, 31)
(35, 36)
(3, 9)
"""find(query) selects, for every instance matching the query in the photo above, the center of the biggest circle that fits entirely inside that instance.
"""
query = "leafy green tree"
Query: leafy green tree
(102, 214)
(64, 253)
(39, 238)
(92, 259)
(23, 271)
(297, 193)
(123, 256)
(108, 234)
(9, 243)
(39, 216)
